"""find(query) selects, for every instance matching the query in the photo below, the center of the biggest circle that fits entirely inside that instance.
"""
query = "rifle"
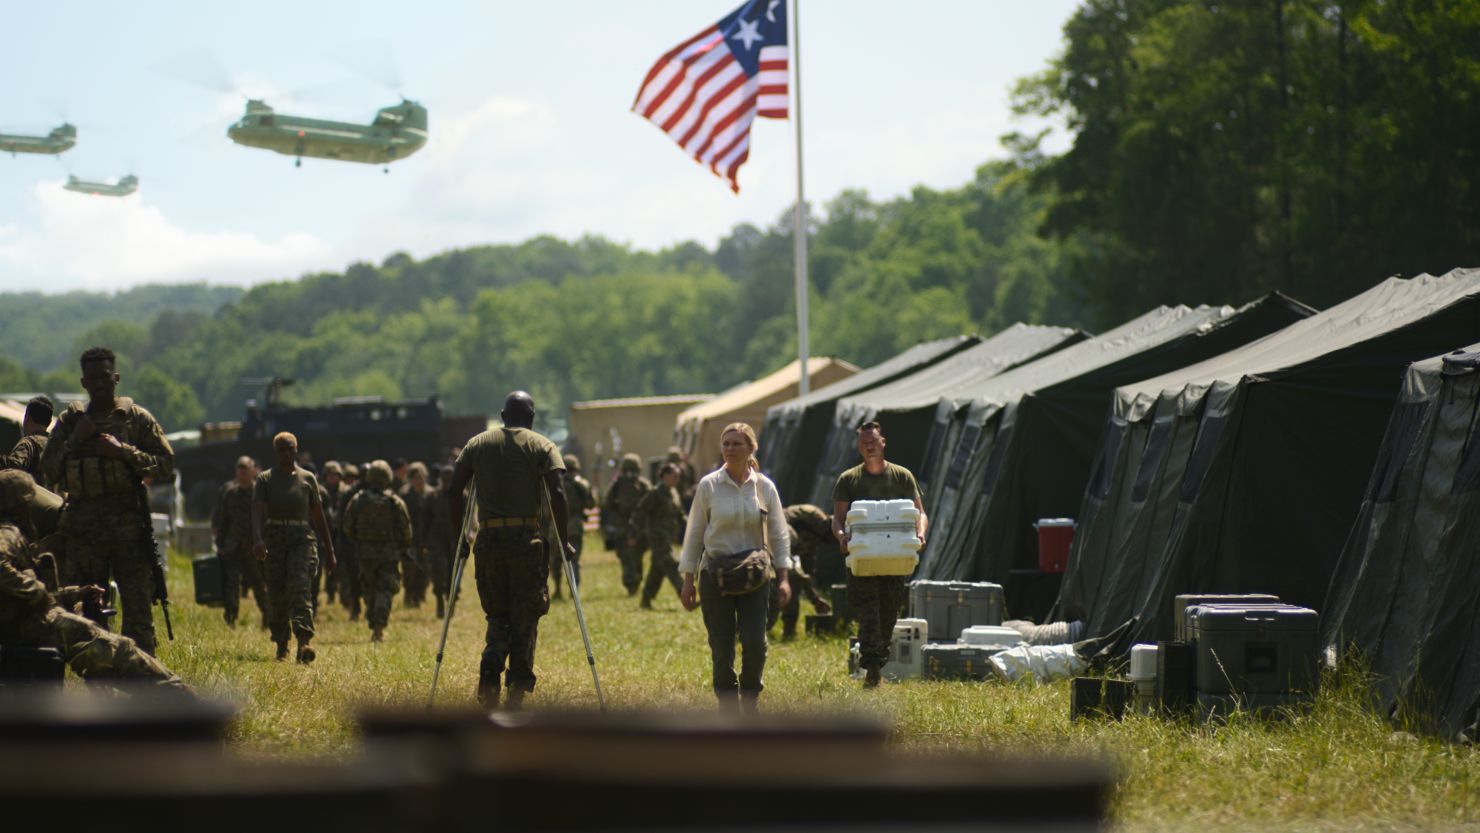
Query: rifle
(156, 562)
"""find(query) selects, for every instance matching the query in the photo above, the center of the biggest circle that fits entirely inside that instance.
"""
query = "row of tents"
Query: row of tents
(1203, 449)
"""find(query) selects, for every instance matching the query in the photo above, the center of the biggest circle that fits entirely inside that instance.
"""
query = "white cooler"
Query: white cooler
(882, 538)
(991, 636)
(904, 649)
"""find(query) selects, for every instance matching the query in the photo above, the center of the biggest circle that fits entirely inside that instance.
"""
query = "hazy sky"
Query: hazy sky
(529, 116)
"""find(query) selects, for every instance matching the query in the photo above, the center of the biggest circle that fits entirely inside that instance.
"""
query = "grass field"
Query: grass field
(1338, 768)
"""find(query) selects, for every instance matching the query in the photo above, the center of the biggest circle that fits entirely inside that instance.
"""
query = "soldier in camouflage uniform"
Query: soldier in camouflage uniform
(348, 569)
(661, 519)
(616, 511)
(97, 457)
(415, 495)
(579, 498)
(231, 525)
(437, 546)
(285, 502)
(332, 490)
(33, 615)
(26, 455)
(810, 529)
(511, 466)
(688, 478)
(378, 524)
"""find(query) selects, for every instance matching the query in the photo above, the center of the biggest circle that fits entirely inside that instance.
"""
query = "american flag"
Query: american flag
(705, 92)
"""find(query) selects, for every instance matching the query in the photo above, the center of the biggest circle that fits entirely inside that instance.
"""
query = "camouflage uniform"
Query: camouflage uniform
(875, 600)
(292, 557)
(232, 521)
(412, 566)
(332, 503)
(510, 561)
(378, 524)
(32, 616)
(661, 518)
(616, 512)
(579, 498)
(105, 519)
(26, 457)
(439, 538)
(347, 568)
(810, 529)
(688, 478)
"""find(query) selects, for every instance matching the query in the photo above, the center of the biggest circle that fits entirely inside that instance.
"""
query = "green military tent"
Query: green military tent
(796, 429)
(906, 405)
(1020, 446)
(1244, 473)
(1406, 592)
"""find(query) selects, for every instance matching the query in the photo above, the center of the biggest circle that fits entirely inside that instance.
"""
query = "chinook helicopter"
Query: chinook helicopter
(122, 188)
(59, 140)
(395, 133)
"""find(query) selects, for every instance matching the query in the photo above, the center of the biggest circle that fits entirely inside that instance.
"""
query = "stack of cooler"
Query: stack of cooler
(952, 610)
(881, 538)
(1250, 652)
(905, 660)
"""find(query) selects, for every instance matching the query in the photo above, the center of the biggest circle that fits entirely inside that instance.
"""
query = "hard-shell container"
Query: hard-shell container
(991, 636)
(953, 606)
(210, 580)
(1186, 600)
(904, 650)
(954, 661)
(1251, 650)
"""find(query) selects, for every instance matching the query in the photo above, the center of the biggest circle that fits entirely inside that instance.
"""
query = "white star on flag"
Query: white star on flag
(749, 33)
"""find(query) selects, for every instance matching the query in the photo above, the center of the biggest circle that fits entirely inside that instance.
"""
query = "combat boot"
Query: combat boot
(230, 620)
(750, 703)
(306, 653)
(872, 678)
(646, 603)
(729, 701)
(377, 634)
(441, 606)
(514, 700)
(788, 631)
(282, 650)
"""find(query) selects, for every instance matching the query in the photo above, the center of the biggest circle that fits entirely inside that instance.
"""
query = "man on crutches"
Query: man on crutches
(508, 466)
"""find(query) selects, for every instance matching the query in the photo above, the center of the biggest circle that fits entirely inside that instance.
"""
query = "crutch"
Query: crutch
(575, 596)
(464, 552)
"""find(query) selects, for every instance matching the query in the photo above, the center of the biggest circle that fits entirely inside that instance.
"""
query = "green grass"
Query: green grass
(1339, 767)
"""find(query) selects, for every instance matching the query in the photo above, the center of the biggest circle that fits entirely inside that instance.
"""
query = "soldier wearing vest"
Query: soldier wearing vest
(285, 503)
(378, 523)
(415, 495)
(621, 501)
(513, 468)
(98, 457)
(579, 498)
(36, 615)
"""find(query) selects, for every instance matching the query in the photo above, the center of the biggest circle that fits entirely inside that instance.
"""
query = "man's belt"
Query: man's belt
(272, 522)
(499, 523)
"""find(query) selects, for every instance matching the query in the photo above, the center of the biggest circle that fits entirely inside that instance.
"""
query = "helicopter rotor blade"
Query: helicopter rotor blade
(374, 60)
(199, 68)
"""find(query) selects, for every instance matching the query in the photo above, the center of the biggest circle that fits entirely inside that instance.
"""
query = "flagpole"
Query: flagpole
(799, 226)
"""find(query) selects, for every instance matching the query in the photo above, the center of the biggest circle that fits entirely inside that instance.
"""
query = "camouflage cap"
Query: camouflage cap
(379, 473)
(572, 462)
(17, 490)
(631, 461)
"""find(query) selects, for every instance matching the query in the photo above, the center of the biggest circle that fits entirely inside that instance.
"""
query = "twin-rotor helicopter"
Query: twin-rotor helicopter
(394, 133)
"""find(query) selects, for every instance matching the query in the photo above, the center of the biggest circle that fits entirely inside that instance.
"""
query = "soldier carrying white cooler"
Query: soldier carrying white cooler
(876, 588)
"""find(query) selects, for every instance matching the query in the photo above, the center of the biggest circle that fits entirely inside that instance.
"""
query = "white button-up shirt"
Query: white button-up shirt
(728, 517)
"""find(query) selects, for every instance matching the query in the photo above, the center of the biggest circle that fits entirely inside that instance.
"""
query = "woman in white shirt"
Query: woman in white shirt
(736, 508)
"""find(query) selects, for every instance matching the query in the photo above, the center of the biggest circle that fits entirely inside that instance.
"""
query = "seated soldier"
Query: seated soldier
(32, 616)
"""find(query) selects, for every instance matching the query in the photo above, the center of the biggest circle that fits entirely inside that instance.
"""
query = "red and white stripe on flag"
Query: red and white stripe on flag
(705, 92)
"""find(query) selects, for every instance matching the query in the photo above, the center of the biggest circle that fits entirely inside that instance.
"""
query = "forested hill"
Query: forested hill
(1221, 151)
(591, 318)
(39, 331)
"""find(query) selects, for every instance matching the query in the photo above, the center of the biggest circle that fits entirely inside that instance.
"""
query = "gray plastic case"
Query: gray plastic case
(953, 606)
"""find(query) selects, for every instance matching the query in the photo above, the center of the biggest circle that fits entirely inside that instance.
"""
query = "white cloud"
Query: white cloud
(106, 243)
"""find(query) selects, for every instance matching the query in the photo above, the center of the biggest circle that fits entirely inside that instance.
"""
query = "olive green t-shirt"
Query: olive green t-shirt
(288, 497)
(509, 464)
(894, 483)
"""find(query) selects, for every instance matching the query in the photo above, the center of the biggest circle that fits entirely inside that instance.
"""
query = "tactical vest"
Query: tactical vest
(87, 474)
(377, 520)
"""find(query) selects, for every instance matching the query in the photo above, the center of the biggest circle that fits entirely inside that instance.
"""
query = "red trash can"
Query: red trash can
(1055, 536)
